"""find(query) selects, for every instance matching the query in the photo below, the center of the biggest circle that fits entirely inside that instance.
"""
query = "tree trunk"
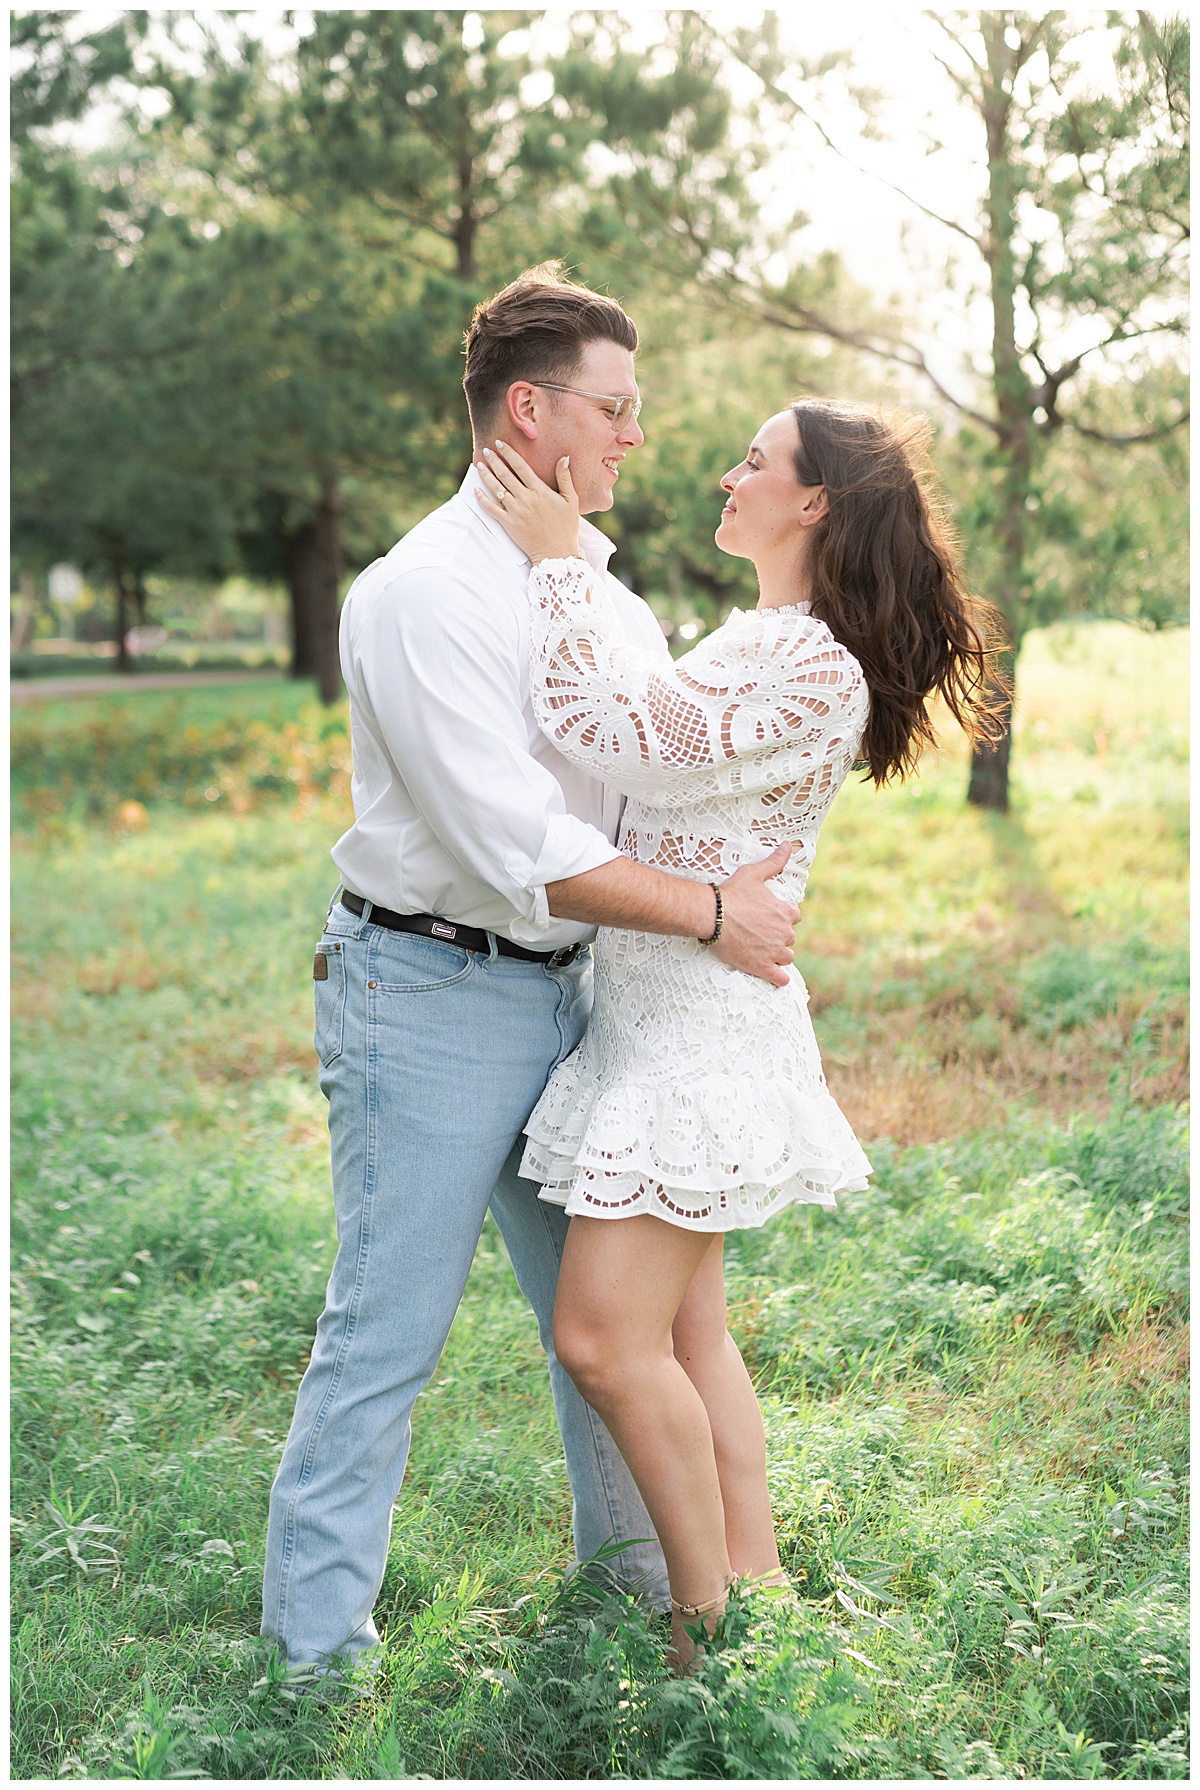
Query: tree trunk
(988, 785)
(25, 616)
(466, 224)
(123, 594)
(313, 564)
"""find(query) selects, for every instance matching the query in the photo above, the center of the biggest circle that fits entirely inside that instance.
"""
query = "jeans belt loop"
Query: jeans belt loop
(362, 918)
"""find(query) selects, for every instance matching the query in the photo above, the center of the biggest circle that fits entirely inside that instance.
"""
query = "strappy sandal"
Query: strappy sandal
(693, 1613)
(775, 1579)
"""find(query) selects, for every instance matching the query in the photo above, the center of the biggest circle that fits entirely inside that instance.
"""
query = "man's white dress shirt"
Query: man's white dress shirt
(462, 807)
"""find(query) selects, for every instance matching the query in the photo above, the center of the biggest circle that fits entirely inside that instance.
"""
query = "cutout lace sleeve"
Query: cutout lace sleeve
(641, 724)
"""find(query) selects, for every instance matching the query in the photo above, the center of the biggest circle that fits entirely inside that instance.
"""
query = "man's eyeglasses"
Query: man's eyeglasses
(623, 409)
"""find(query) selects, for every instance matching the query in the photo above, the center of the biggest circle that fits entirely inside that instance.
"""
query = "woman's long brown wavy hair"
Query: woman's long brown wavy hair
(886, 581)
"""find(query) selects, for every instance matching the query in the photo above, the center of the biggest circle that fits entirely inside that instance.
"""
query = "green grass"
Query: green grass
(230, 746)
(177, 655)
(973, 1375)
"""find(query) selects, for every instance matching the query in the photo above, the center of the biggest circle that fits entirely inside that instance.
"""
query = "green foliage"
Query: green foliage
(952, 1275)
(1128, 149)
(56, 77)
(108, 414)
(1070, 985)
(1138, 1160)
(1107, 526)
(234, 755)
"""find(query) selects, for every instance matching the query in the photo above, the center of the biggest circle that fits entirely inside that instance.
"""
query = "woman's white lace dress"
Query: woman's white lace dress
(697, 1092)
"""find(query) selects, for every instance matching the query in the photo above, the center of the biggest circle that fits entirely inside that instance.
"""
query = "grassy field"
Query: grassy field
(973, 1374)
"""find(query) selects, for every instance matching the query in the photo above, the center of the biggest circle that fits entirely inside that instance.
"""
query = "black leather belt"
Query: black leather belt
(450, 932)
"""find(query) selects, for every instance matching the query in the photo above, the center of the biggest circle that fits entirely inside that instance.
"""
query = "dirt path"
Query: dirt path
(43, 689)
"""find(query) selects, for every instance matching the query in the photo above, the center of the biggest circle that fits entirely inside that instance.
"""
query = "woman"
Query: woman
(696, 1103)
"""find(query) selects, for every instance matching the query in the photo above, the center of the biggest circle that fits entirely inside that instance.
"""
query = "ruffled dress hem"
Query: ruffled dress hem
(607, 1153)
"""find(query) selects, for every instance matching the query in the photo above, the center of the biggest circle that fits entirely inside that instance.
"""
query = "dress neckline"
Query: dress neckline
(775, 609)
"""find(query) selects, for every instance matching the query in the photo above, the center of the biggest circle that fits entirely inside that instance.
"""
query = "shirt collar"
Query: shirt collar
(596, 547)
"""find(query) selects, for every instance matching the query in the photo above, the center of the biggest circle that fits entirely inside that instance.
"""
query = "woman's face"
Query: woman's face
(768, 509)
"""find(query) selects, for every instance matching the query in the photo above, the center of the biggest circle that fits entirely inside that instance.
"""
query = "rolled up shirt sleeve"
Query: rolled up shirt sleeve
(442, 671)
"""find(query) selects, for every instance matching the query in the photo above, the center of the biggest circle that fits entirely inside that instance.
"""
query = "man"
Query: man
(454, 972)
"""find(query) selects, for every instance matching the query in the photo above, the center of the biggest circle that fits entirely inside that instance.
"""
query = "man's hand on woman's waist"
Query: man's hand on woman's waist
(757, 927)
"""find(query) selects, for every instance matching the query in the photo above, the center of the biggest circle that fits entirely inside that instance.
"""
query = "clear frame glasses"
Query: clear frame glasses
(624, 409)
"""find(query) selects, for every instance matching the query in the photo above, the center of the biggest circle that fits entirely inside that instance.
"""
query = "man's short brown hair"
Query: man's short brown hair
(536, 329)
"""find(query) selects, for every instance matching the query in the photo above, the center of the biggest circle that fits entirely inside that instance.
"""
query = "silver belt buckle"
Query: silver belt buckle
(565, 954)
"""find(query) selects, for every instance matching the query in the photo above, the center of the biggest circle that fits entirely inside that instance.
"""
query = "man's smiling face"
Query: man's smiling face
(580, 427)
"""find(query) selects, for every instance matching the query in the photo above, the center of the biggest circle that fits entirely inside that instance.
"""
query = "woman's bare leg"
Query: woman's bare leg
(620, 1287)
(712, 1361)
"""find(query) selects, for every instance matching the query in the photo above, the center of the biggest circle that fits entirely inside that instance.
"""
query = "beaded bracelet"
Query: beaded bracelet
(716, 933)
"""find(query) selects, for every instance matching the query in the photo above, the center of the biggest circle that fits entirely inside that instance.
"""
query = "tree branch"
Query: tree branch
(904, 354)
(1127, 440)
(963, 85)
(1112, 340)
(940, 21)
(1046, 394)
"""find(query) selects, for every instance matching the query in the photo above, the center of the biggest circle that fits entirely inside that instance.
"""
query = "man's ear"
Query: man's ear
(520, 404)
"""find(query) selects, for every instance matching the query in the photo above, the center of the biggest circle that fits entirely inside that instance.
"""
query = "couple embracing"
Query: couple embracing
(530, 766)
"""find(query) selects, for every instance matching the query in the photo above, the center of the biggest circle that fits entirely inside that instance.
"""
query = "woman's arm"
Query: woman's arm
(641, 724)
(622, 713)
(606, 705)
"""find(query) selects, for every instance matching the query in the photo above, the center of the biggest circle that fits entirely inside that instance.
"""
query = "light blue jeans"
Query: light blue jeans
(432, 1058)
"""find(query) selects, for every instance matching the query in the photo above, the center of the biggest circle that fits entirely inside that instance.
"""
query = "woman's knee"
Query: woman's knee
(590, 1356)
(573, 1342)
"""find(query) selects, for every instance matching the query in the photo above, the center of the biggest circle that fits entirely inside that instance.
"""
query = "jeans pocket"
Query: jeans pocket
(329, 1002)
(410, 963)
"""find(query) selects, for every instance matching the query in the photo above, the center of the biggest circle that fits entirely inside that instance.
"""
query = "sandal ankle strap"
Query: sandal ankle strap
(693, 1612)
